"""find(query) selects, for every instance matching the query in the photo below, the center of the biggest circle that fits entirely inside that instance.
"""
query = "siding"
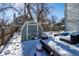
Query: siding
(72, 17)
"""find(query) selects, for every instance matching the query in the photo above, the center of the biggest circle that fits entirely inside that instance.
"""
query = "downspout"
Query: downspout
(65, 15)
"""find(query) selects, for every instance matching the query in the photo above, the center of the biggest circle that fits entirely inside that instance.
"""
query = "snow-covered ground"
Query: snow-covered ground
(17, 48)
(1, 48)
(13, 47)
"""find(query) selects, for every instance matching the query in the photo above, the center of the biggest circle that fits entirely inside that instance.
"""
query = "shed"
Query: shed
(31, 30)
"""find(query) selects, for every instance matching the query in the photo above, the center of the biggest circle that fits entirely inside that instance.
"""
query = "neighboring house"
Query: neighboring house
(20, 20)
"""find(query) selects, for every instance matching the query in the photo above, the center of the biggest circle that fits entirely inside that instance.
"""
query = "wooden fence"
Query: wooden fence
(6, 34)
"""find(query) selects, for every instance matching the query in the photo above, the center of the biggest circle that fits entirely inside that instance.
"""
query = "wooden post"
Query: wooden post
(2, 36)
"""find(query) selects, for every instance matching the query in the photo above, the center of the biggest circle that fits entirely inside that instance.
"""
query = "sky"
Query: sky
(58, 10)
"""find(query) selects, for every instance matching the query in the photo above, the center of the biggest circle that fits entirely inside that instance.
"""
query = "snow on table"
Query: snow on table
(13, 47)
(58, 49)
(61, 47)
(73, 49)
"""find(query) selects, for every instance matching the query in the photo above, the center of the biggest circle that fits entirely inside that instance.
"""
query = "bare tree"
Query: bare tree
(54, 18)
(38, 11)
(6, 6)
(63, 21)
(42, 11)
(28, 6)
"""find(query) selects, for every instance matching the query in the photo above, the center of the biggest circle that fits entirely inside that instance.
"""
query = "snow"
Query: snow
(61, 47)
(26, 48)
(50, 33)
(64, 43)
(38, 46)
(51, 43)
(68, 37)
(29, 48)
(74, 50)
(13, 47)
(1, 48)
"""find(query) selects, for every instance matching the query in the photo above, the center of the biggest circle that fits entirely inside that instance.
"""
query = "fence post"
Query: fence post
(2, 39)
(3, 35)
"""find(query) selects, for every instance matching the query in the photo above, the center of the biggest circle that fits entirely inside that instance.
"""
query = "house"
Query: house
(20, 20)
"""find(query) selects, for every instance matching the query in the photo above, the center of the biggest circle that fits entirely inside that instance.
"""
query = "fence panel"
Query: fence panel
(6, 34)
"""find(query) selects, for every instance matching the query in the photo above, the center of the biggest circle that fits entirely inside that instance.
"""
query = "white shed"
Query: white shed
(30, 30)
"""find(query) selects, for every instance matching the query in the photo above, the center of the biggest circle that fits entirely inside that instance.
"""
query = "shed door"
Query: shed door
(32, 31)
